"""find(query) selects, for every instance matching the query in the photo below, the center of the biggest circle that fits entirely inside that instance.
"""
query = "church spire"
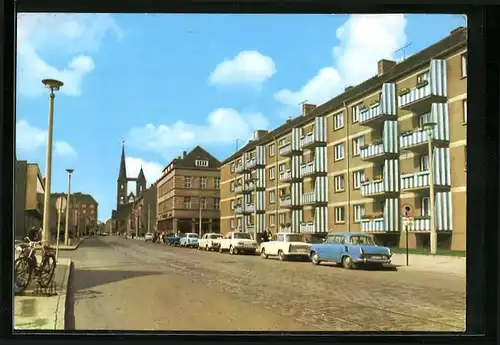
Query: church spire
(123, 167)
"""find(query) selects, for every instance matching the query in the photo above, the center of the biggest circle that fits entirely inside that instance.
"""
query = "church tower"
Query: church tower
(121, 195)
(140, 185)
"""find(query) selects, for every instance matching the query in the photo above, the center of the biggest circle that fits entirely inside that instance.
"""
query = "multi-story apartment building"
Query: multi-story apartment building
(83, 213)
(188, 192)
(29, 192)
(144, 212)
(353, 162)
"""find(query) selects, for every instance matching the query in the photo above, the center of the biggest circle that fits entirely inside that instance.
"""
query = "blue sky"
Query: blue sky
(166, 83)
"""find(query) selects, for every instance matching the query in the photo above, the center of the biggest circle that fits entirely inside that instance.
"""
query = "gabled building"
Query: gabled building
(83, 213)
(188, 194)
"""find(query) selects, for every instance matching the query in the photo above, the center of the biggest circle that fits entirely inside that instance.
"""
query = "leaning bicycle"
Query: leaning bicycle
(26, 265)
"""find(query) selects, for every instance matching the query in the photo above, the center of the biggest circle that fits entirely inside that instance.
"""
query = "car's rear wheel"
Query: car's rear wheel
(281, 255)
(315, 258)
(347, 262)
(220, 250)
(263, 254)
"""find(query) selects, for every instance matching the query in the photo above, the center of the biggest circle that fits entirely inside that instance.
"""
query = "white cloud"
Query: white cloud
(152, 170)
(31, 139)
(223, 126)
(364, 40)
(248, 67)
(74, 36)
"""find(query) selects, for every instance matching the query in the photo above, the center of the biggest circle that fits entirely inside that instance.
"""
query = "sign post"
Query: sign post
(60, 206)
(407, 222)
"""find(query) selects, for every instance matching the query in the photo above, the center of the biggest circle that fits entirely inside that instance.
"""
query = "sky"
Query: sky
(165, 83)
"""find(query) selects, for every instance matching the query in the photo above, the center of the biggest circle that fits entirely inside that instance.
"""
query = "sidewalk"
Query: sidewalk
(431, 263)
(33, 312)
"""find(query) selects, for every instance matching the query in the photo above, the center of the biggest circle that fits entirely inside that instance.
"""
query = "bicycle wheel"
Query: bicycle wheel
(46, 270)
(22, 274)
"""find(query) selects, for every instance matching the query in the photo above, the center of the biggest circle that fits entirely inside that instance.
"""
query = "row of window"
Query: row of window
(189, 203)
(188, 182)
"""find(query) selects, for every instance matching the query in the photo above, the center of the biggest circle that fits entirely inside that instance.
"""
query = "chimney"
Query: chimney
(456, 30)
(347, 88)
(259, 134)
(184, 153)
(307, 108)
(384, 66)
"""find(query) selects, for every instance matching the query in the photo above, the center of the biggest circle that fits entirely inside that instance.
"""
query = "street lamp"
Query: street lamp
(429, 126)
(255, 180)
(53, 85)
(66, 229)
(199, 226)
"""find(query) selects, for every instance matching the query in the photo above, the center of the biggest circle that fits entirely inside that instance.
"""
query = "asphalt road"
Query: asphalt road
(120, 284)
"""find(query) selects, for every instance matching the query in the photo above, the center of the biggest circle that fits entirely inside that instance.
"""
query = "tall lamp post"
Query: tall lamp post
(66, 228)
(53, 85)
(429, 126)
(199, 226)
(255, 180)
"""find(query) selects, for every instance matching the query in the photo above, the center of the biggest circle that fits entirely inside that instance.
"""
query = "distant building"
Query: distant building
(144, 212)
(83, 213)
(28, 198)
(189, 189)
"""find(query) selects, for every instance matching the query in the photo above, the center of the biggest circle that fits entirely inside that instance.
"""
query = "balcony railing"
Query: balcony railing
(249, 186)
(307, 169)
(286, 201)
(307, 227)
(308, 198)
(286, 176)
(373, 151)
(238, 168)
(286, 149)
(250, 208)
(419, 98)
(285, 229)
(373, 225)
(420, 224)
(417, 180)
(238, 188)
(310, 140)
(372, 188)
(251, 163)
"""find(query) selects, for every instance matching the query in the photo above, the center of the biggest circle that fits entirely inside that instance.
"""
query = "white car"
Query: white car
(148, 237)
(210, 241)
(238, 242)
(189, 240)
(284, 246)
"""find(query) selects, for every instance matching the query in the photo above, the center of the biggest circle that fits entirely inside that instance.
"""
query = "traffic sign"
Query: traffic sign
(407, 211)
(61, 204)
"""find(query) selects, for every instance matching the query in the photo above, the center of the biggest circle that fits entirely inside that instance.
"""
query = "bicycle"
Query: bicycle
(27, 264)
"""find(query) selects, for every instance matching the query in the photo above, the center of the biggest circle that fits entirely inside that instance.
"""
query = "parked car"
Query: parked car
(148, 237)
(284, 246)
(210, 241)
(174, 239)
(350, 250)
(238, 242)
(189, 240)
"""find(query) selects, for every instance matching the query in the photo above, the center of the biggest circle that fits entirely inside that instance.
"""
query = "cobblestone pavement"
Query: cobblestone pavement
(178, 288)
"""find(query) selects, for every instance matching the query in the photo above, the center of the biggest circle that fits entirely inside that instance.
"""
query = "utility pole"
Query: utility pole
(66, 228)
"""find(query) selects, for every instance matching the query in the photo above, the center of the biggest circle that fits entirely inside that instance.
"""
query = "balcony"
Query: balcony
(249, 208)
(374, 188)
(238, 168)
(286, 176)
(417, 141)
(308, 169)
(420, 224)
(417, 181)
(431, 89)
(286, 149)
(285, 228)
(286, 201)
(311, 199)
(238, 189)
(311, 140)
(373, 224)
(251, 163)
(307, 227)
(374, 152)
(239, 209)
(373, 116)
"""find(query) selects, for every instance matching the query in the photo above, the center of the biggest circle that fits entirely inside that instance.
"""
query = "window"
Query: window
(272, 173)
(464, 65)
(423, 119)
(338, 121)
(217, 182)
(355, 112)
(339, 151)
(232, 204)
(424, 163)
(425, 210)
(187, 181)
(356, 144)
(339, 215)
(201, 163)
(465, 110)
(422, 77)
(203, 182)
(239, 223)
(272, 219)
(232, 223)
(282, 167)
(272, 197)
(217, 203)
(358, 177)
(231, 186)
(187, 202)
(359, 212)
(232, 167)
(339, 183)
(272, 150)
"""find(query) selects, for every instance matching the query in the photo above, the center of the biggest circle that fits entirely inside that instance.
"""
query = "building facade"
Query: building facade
(352, 163)
(83, 214)
(29, 192)
(189, 194)
(144, 212)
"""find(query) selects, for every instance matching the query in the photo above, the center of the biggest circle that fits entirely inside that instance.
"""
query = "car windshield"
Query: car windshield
(242, 236)
(193, 236)
(295, 238)
(361, 240)
(215, 236)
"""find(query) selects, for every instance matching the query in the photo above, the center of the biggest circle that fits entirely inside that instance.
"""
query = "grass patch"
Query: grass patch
(425, 251)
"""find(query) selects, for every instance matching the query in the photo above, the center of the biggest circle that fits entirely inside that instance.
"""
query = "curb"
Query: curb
(75, 247)
(60, 315)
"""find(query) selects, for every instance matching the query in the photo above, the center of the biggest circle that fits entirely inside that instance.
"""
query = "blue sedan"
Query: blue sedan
(350, 249)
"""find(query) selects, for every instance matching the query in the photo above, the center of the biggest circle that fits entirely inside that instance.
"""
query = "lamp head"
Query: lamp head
(70, 171)
(52, 84)
(430, 125)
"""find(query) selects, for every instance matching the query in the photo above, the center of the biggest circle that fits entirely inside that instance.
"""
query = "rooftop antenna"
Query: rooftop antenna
(403, 49)
(303, 102)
